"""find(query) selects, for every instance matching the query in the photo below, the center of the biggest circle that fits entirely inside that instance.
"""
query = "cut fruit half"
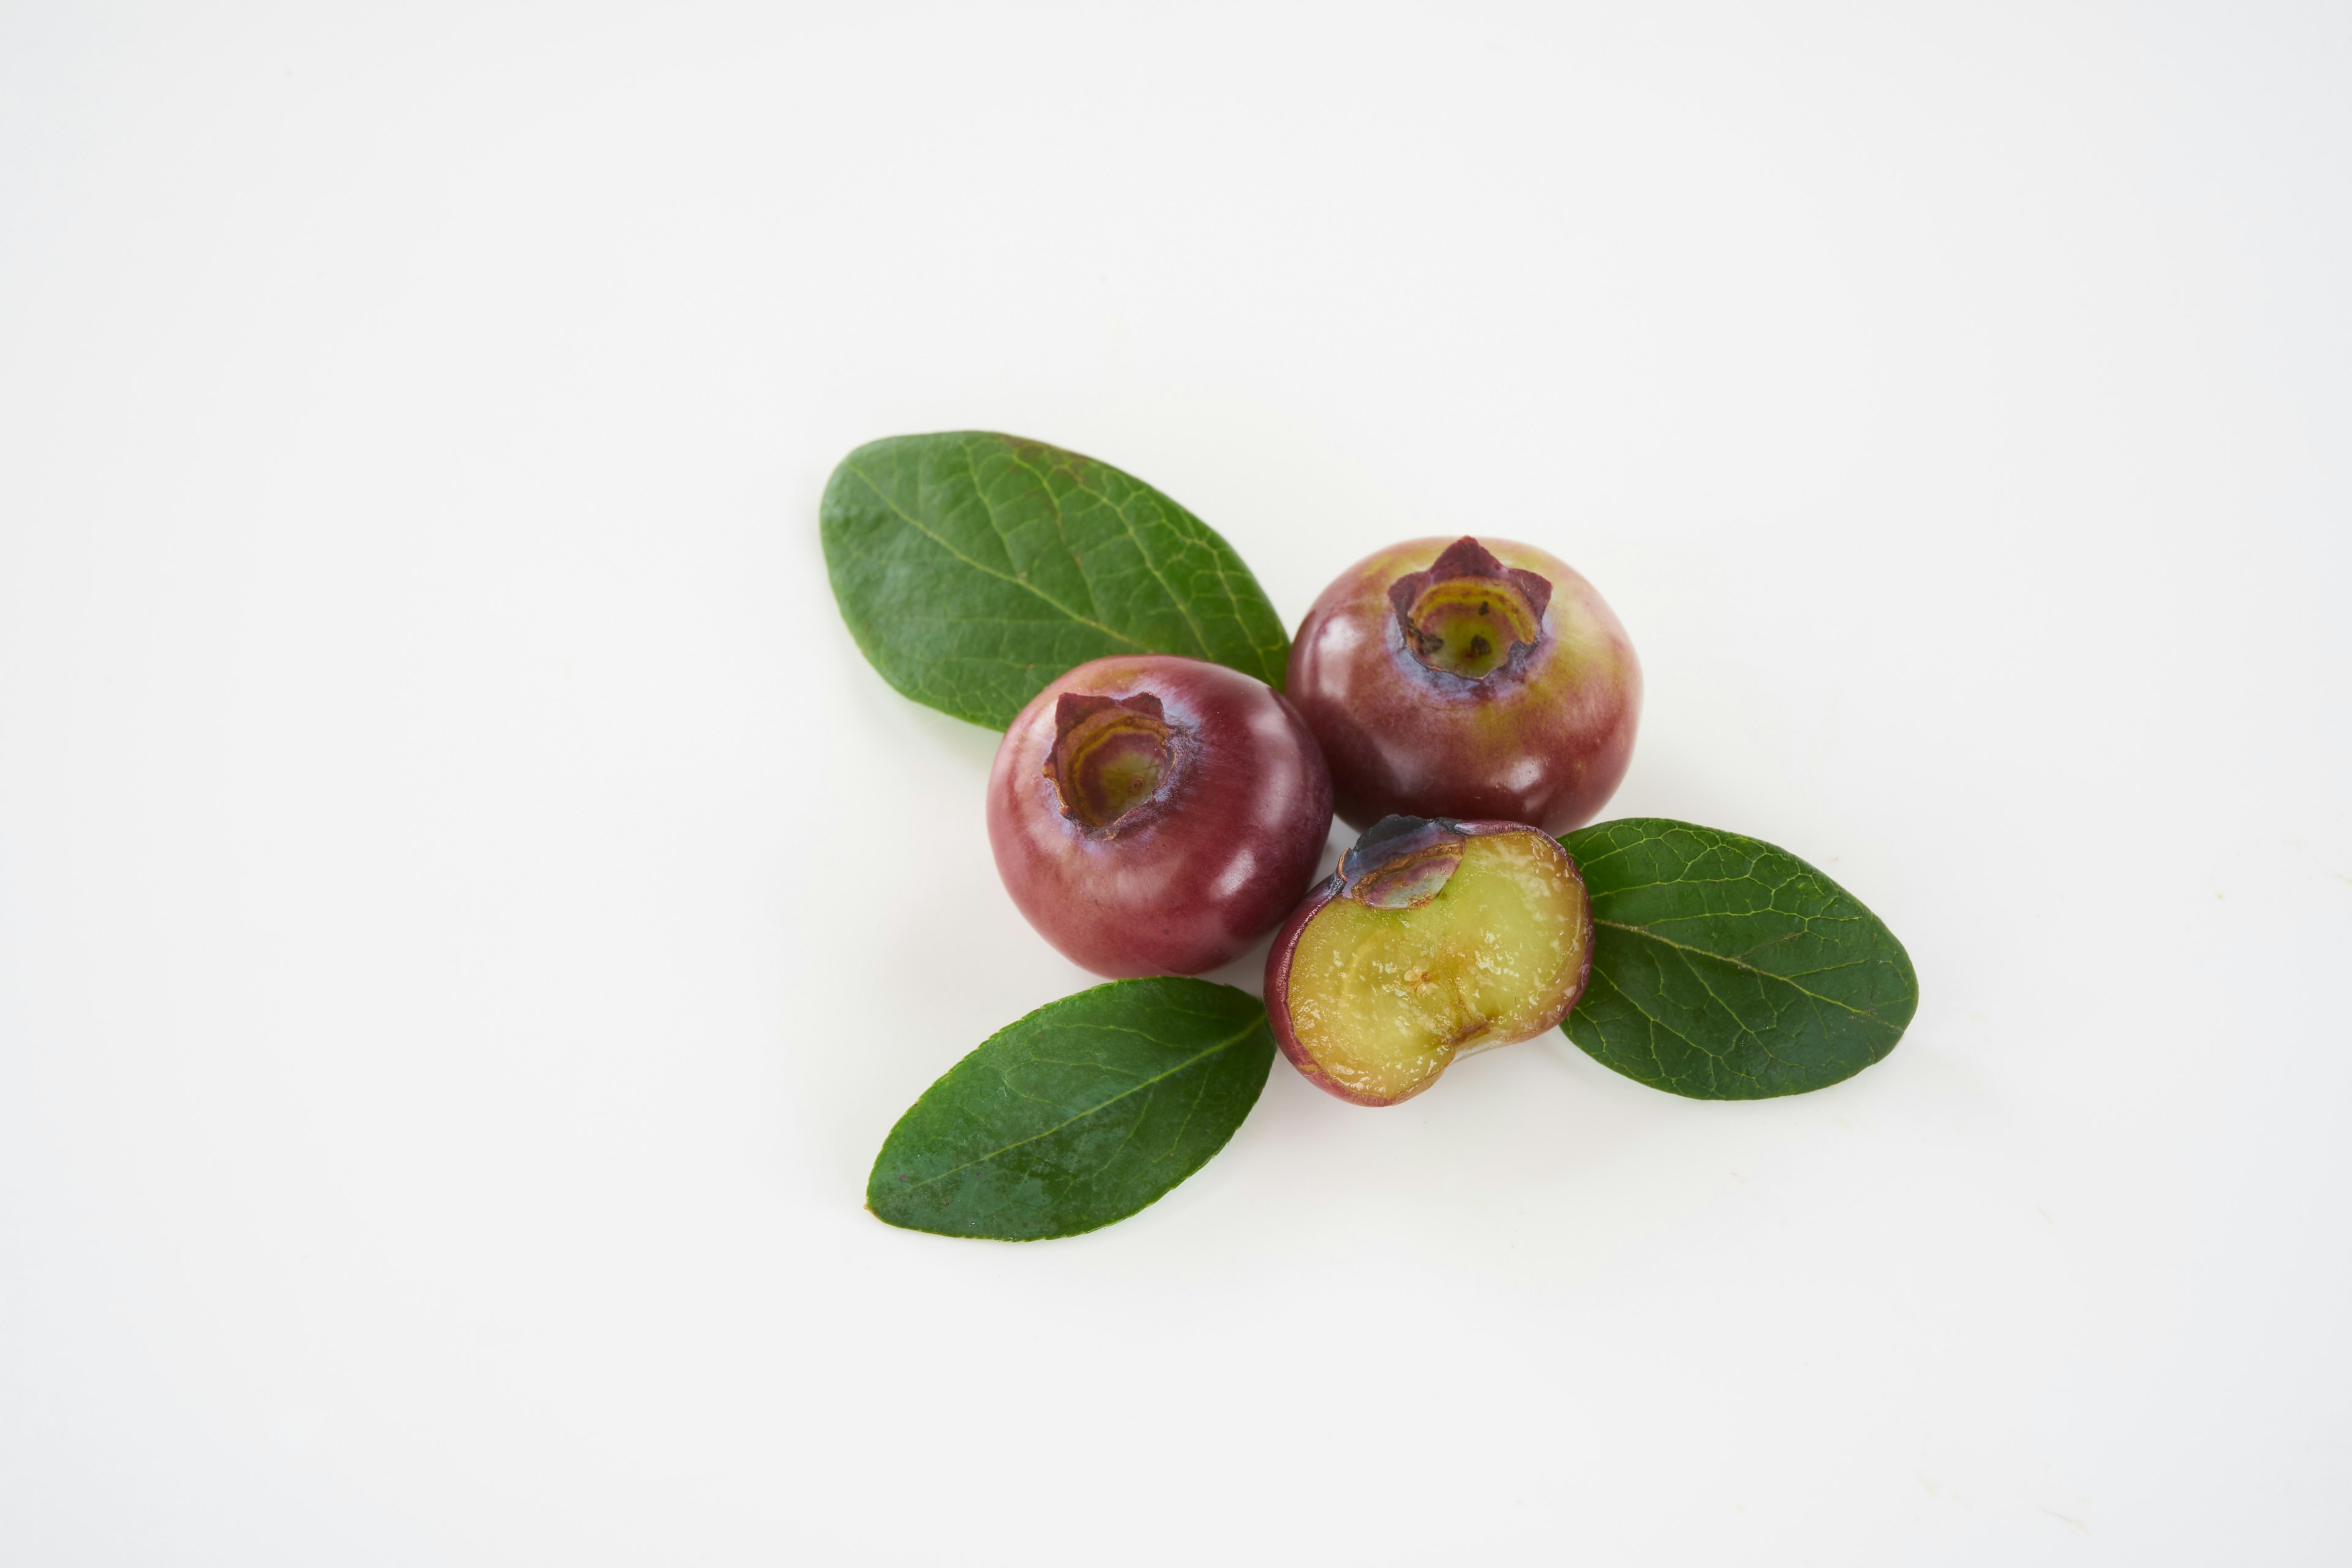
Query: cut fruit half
(1434, 940)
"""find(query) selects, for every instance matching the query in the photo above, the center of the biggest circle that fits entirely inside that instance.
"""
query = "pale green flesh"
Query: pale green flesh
(1383, 999)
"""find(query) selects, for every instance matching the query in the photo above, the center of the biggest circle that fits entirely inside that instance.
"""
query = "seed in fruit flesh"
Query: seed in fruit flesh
(1476, 679)
(1434, 940)
(1152, 814)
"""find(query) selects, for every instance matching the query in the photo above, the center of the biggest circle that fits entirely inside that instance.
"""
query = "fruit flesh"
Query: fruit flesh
(1383, 999)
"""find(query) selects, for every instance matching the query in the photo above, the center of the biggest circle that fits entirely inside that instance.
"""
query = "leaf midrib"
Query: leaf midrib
(1127, 524)
(981, 566)
(1742, 964)
(1226, 1044)
(1717, 1061)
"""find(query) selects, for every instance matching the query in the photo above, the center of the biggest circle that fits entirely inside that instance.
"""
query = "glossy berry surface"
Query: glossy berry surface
(1155, 814)
(1481, 679)
(1436, 940)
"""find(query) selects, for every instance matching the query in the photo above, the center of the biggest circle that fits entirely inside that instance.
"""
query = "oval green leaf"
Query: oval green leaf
(974, 568)
(1726, 969)
(1083, 1112)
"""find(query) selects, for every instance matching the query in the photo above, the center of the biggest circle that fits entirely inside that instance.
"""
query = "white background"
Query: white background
(468, 915)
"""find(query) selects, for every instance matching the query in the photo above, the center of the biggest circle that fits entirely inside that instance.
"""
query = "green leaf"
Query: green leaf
(1083, 1112)
(1726, 969)
(972, 569)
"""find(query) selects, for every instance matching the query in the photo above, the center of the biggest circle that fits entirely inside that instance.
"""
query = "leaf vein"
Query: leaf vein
(983, 567)
(1739, 963)
(1226, 1044)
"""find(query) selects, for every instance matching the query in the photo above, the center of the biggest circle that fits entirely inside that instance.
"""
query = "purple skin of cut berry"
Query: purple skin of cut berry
(1152, 814)
(1479, 679)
